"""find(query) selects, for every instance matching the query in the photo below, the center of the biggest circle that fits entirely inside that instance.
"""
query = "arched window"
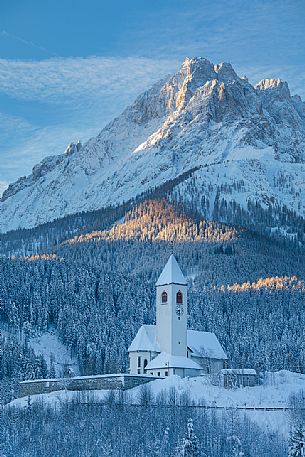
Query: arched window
(164, 297)
(145, 363)
(179, 297)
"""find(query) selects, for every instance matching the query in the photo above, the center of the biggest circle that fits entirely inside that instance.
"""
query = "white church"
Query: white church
(169, 347)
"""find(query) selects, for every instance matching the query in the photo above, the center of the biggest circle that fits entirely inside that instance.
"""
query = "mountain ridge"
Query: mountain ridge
(203, 114)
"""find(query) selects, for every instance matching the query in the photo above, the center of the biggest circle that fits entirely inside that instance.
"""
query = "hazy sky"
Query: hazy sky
(68, 66)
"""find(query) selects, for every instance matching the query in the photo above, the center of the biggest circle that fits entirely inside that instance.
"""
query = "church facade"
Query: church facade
(169, 347)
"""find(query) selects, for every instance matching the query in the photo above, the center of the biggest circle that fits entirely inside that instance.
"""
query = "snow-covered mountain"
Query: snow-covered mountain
(248, 142)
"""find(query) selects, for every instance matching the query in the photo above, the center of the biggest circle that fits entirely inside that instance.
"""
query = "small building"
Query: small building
(231, 378)
(169, 348)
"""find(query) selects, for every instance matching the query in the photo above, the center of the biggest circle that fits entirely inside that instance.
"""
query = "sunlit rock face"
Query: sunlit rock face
(204, 114)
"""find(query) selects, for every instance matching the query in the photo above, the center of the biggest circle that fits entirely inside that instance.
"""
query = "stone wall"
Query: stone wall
(99, 382)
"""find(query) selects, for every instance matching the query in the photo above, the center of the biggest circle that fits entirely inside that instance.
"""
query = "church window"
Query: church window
(166, 373)
(164, 297)
(158, 373)
(139, 361)
(145, 363)
(179, 297)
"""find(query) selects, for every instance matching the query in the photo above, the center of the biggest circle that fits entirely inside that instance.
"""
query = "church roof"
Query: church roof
(202, 344)
(145, 340)
(165, 360)
(171, 274)
(205, 344)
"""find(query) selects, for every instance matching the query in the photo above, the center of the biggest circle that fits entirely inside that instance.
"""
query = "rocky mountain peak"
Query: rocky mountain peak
(278, 87)
(200, 86)
(204, 114)
(197, 68)
(193, 73)
(225, 72)
(72, 148)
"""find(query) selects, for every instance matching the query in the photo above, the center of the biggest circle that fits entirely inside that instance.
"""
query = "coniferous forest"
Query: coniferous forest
(160, 427)
(97, 288)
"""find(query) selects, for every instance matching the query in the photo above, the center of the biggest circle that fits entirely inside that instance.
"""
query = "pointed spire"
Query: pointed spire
(171, 274)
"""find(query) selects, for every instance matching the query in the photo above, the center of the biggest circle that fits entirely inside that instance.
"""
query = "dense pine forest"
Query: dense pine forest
(166, 426)
(97, 289)
(95, 286)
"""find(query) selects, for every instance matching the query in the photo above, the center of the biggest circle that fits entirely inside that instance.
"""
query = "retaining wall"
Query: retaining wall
(98, 382)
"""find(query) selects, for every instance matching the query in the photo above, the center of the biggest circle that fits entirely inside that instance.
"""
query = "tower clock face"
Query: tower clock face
(179, 309)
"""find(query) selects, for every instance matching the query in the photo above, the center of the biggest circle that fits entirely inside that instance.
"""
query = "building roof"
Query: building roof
(145, 340)
(171, 274)
(205, 344)
(246, 371)
(202, 344)
(165, 360)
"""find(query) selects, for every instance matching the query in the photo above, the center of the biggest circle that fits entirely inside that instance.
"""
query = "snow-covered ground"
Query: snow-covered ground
(261, 178)
(49, 346)
(274, 392)
(3, 186)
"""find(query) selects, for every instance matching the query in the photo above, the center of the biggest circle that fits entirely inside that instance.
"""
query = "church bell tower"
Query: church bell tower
(171, 304)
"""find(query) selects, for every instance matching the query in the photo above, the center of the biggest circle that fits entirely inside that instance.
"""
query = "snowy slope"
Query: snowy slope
(51, 348)
(204, 114)
(260, 177)
(273, 393)
(3, 186)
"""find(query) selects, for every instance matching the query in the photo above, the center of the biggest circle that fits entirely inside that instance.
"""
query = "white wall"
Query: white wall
(134, 367)
(170, 372)
(171, 328)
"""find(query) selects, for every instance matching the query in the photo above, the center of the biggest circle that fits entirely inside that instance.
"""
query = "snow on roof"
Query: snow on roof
(171, 274)
(165, 360)
(145, 340)
(205, 344)
(202, 344)
(246, 371)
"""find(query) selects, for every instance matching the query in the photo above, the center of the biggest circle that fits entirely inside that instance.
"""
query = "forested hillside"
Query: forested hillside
(156, 220)
(99, 289)
(158, 428)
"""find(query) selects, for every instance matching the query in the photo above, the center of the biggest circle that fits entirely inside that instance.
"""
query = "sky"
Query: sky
(67, 67)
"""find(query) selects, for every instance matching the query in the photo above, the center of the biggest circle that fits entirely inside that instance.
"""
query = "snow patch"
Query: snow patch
(3, 186)
(51, 347)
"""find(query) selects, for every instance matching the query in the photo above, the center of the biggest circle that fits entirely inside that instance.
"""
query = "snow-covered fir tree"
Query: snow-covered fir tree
(297, 442)
(188, 445)
(165, 444)
(235, 447)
